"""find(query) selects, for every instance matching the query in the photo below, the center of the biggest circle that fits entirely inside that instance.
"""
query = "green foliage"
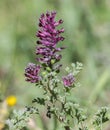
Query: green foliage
(21, 118)
(101, 117)
(54, 100)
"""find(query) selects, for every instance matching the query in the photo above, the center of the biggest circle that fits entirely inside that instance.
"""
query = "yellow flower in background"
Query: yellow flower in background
(11, 100)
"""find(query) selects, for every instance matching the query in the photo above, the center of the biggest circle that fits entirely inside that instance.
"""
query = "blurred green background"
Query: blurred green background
(87, 33)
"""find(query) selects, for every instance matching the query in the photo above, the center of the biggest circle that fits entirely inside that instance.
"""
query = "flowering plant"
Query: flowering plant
(56, 90)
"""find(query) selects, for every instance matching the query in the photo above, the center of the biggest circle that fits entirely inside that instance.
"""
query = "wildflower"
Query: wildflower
(11, 100)
(49, 36)
(32, 73)
(68, 80)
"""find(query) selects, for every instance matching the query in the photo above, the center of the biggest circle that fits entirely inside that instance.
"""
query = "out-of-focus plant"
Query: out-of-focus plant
(57, 90)
(5, 111)
(100, 118)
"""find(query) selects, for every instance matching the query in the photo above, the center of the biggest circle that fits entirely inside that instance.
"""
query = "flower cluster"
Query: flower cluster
(49, 36)
(32, 73)
(47, 51)
(68, 80)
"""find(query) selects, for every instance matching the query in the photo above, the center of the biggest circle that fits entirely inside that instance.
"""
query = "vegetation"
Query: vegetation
(87, 32)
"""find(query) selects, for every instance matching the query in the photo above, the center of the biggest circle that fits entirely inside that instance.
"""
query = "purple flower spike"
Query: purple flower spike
(68, 80)
(32, 73)
(49, 36)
